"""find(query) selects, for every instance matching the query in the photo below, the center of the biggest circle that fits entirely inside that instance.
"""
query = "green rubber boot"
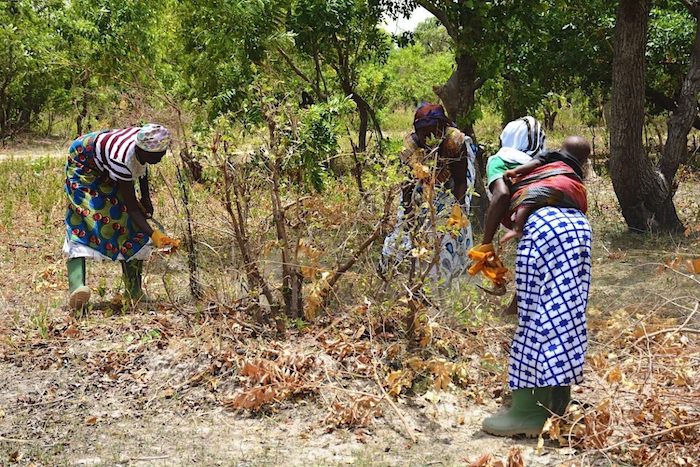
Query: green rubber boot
(79, 292)
(526, 415)
(132, 272)
(561, 396)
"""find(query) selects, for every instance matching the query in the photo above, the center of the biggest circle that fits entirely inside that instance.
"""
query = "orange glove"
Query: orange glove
(160, 240)
(487, 262)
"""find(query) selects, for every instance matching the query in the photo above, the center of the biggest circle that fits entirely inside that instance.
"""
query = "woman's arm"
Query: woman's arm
(498, 207)
(458, 171)
(146, 195)
(126, 189)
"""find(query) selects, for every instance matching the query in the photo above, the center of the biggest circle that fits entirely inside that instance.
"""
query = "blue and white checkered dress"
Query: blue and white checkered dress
(552, 276)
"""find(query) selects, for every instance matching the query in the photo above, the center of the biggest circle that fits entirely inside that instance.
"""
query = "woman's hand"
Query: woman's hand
(512, 175)
(147, 206)
(135, 211)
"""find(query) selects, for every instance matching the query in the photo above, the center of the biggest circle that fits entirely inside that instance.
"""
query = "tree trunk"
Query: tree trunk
(681, 121)
(550, 116)
(662, 102)
(366, 113)
(458, 97)
(81, 117)
(362, 130)
(643, 193)
(458, 94)
(255, 279)
(679, 125)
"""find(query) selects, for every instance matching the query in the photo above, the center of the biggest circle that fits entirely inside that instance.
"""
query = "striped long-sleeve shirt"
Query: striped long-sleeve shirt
(115, 154)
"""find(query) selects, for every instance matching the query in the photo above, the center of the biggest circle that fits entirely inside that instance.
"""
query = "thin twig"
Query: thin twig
(381, 386)
(148, 458)
(675, 330)
(652, 435)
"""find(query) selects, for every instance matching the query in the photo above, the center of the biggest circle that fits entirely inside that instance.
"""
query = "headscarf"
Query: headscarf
(521, 140)
(428, 115)
(153, 138)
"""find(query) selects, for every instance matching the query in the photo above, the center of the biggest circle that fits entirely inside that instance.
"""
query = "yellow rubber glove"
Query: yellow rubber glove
(482, 252)
(160, 240)
(487, 262)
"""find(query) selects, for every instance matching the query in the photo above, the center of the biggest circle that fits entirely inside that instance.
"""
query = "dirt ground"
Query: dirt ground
(154, 385)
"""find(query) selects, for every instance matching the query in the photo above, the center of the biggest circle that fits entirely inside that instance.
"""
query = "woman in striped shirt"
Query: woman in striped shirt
(104, 219)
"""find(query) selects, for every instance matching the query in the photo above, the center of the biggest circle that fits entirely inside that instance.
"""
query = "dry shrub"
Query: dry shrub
(514, 459)
(269, 381)
(441, 374)
(581, 428)
(357, 413)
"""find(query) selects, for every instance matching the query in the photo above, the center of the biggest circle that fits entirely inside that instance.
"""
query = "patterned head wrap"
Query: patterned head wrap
(153, 138)
(429, 115)
(521, 140)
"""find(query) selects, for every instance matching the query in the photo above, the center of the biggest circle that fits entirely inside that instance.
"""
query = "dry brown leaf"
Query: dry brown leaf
(308, 259)
(397, 380)
(359, 413)
(314, 295)
(457, 218)
(420, 171)
(485, 460)
(553, 428)
(614, 375)
(515, 457)
(597, 426)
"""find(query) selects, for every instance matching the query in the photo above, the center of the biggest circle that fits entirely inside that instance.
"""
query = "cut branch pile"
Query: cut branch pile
(268, 381)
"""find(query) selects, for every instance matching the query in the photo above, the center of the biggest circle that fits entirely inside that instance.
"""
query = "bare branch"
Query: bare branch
(294, 67)
(378, 230)
(440, 12)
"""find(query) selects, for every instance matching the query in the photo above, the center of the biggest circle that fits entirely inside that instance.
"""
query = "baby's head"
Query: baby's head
(578, 147)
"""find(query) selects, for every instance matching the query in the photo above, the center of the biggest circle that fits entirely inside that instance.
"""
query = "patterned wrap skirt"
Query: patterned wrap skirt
(97, 221)
(454, 242)
(552, 277)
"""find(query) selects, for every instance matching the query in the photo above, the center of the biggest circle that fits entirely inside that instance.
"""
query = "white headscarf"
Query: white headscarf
(521, 140)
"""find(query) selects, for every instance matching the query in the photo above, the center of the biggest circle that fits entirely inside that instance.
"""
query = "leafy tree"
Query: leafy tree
(432, 36)
(28, 69)
(224, 43)
(472, 26)
(412, 72)
(553, 48)
(344, 35)
(227, 43)
(107, 44)
(317, 141)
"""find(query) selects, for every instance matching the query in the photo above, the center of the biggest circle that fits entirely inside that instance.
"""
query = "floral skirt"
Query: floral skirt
(455, 240)
(97, 216)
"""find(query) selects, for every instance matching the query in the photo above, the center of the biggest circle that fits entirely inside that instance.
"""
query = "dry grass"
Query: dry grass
(183, 382)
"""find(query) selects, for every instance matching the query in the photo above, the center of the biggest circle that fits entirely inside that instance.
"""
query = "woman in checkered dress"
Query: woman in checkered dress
(552, 278)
